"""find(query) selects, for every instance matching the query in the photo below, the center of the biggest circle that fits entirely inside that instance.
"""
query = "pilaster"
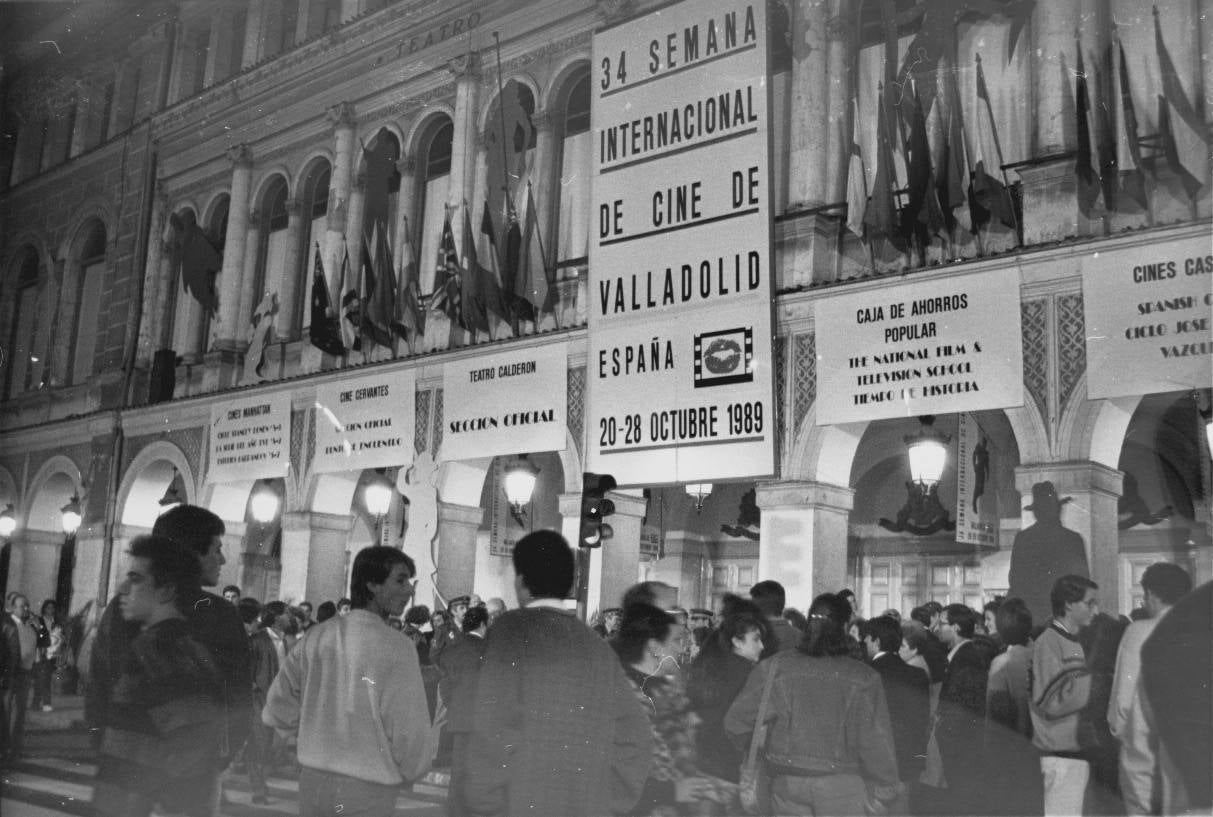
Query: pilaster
(456, 563)
(803, 538)
(313, 556)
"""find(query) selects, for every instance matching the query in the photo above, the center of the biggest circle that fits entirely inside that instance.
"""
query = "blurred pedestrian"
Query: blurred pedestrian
(50, 645)
(770, 597)
(906, 689)
(460, 667)
(1014, 783)
(17, 674)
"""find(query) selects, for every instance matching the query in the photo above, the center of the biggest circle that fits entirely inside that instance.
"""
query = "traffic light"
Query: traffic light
(595, 507)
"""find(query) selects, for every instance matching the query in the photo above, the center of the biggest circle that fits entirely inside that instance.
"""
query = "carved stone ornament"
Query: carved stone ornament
(466, 65)
(341, 115)
(293, 206)
(612, 10)
(407, 165)
(240, 155)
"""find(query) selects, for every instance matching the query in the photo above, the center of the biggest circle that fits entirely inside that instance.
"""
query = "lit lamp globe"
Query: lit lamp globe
(698, 491)
(928, 452)
(8, 521)
(520, 479)
(264, 506)
(71, 516)
(378, 497)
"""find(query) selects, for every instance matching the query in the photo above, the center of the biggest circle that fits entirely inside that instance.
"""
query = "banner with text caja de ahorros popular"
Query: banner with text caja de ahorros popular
(365, 422)
(942, 346)
(250, 438)
(514, 402)
(679, 372)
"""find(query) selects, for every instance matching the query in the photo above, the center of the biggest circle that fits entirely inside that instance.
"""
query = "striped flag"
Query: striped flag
(857, 177)
(1131, 179)
(1181, 132)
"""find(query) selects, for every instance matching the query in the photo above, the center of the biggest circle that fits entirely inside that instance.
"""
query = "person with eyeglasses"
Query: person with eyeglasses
(1061, 689)
(355, 698)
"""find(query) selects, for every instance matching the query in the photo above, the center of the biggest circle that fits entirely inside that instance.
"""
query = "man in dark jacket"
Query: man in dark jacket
(962, 708)
(214, 622)
(267, 648)
(770, 597)
(460, 665)
(906, 689)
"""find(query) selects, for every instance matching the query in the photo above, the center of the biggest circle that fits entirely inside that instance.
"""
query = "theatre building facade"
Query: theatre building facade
(339, 270)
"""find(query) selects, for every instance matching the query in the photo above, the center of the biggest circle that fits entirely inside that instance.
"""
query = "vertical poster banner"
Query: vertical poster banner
(250, 438)
(976, 499)
(365, 422)
(680, 289)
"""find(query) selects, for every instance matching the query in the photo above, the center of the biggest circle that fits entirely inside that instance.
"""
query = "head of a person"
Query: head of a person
(325, 611)
(893, 614)
(250, 612)
(1013, 622)
(439, 618)
(305, 607)
(18, 605)
(417, 615)
(827, 631)
(163, 579)
(231, 594)
(610, 619)
(744, 629)
(701, 619)
(989, 614)
(381, 580)
(476, 620)
(496, 607)
(1164, 583)
(543, 566)
(935, 609)
(344, 606)
(922, 615)
(855, 627)
(913, 639)
(658, 594)
(1074, 599)
(1045, 504)
(201, 531)
(957, 623)
(48, 609)
(881, 634)
(276, 615)
(459, 606)
(645, 635)
(474, 600)
(796, 618)
(770, 597)
(848, 594)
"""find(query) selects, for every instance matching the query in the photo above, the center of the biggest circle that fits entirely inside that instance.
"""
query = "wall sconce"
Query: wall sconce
(923, 514)
(698, 491)
(8, 521)
(377, 496)
(264, 506)
(72, 516)
(520, 479)
(174, 495)
(928, 452)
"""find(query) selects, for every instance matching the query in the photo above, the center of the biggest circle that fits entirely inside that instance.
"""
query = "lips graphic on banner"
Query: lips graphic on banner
(725, 356)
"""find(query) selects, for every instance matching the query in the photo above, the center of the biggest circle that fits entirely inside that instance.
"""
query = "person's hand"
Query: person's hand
(688, 789)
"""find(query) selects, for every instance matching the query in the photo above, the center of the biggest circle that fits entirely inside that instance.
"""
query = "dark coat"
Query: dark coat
(10, 650)
(460, 665)
(716, 678)
(907, 690)
(960, 722)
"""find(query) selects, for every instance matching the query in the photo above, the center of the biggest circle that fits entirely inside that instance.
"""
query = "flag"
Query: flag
(260, 329)
(536, 284)
(496, 298)
(1173, 89)
(408, 295)
(351, 308)
(378, 292)
(324, 332)
(953, 171)
(198, 260)
(1186, 127)
(1084, 163)
(471, 277)
(991, 196)
(857, 177)
(922, 216)
(1170, 149)
(447, 294)
(1132, 182)
(880, 217)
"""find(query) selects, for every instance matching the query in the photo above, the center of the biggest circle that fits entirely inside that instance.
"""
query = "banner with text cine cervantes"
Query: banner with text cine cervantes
(1148, 313)
(250, 438)
(680, 289)
(514, 402)
(938, 347)
(365, 422)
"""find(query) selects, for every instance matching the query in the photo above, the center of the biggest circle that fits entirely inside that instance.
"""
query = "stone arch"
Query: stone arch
(1095, 429)
(488, 112)
(562, 80)
(823, 453)
(266, 182)
(461, 482)
(210, 204)
(311, 160)
(392, 127)
(434, 117)
(41, 509)
(92, 207)
(13, 255)
(1031, 433)
(136, 506)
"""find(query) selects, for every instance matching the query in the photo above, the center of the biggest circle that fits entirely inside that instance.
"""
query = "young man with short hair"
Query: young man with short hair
(352, 694)
(164, 720)
(962, 709)
(1061, 688)
(907, 690)
(231, 594)
(771, 598)
(267, 646)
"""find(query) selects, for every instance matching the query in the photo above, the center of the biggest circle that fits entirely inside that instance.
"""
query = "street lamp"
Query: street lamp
(264, 506)
(8, 521)
(174, 495)
(71, 516)
(377, 495)
(520, 478)
(698, 491)
(928, 451)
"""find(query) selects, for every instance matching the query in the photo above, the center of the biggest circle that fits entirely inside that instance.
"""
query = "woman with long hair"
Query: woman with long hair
(675, 785)
(829, 747)
(716, 677)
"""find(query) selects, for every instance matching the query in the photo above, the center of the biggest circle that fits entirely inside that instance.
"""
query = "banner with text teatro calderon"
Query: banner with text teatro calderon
(942, 346)
(1148, 313)
(250, 438)
(365, 422)
(680, 285)
(511, 403)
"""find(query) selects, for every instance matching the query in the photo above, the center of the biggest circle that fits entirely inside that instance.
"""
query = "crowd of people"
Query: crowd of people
(652, 710)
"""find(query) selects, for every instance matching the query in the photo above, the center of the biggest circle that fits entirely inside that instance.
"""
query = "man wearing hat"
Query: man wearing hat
(1043, 552)
(447, 636)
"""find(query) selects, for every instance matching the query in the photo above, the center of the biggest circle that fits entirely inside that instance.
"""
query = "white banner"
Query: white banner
(680, 289)
(365, 422)
(938, 347)
(976, 497)
(250, 438)
(1149, 318)
(511, 403)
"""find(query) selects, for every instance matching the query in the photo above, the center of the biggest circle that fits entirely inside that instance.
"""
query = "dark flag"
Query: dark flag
(446, 295)
(923, 216)
(989, 196)
(1084, 165)
(1132, 181)
(496, 298)
(198, 260)
(325, 331)
(373, 305)
(880, 219)
(536, 284)
(408, 306)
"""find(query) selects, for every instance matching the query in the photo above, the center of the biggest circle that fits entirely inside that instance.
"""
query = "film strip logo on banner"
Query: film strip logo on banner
(724, 357)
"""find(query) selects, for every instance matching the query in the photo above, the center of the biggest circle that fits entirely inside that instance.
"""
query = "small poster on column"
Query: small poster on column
(976, 498)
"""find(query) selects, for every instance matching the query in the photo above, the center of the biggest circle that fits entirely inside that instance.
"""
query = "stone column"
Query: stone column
(219, 48)
(841, 40)
(252, 33)
(808, 127)
(463, 146)
(1094, 490)
(350, 9)
(803, 538)
(615, 566)
(153, 329)
(342, 118)
(226, 329)
(313, 556)
(123, 74)
(84, 107)
(353, 228)
(456, 564)
(286, 325)
(249, 296)
(406, 202)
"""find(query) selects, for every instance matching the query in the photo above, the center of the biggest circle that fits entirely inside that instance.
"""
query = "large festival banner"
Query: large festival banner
(250, 438)
(509, 403)
(365, 422)
(1149, 318)
(939, 347)
(680, 385)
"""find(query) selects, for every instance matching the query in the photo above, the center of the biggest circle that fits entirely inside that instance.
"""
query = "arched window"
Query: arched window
(433, 185)
(25, 370)
(314, 207)
(382, 183)
(573, 138)
(271, 263)
(91, 264)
